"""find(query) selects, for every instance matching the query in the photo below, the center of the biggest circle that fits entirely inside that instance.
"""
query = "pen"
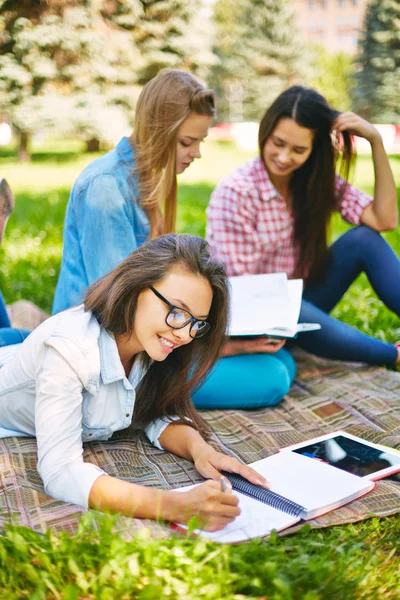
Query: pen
(224, 485)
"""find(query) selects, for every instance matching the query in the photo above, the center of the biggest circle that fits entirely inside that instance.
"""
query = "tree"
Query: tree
(258, 53)
(63, 67)
(332, 76)
(77, 67)
(161, 31)
(377, 93)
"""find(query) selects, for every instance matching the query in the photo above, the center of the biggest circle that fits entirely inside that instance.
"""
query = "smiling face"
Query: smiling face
(150, 331)
(190, 135)
(287, 149)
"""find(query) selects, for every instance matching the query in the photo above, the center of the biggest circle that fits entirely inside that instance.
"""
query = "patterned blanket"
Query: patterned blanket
(326, 396)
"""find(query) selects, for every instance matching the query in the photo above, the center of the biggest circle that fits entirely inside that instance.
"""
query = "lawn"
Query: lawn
(355, 561)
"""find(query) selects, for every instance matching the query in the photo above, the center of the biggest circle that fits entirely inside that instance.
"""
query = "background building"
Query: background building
(334, 23)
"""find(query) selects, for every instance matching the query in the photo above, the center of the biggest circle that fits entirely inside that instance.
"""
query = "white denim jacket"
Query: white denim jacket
(66, 385)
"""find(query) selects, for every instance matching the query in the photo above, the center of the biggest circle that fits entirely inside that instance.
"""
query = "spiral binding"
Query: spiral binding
(240, 484)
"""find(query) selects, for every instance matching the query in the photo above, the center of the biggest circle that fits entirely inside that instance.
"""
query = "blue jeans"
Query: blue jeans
(9, 335)
(247, 381)
(359, 250)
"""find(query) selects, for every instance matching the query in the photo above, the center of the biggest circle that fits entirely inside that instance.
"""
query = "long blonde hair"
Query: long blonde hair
(164, 103)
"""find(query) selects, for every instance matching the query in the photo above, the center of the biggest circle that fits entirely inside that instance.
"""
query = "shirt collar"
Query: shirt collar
(110, 363)
(111, 367)
(125, 150)
(263, 182)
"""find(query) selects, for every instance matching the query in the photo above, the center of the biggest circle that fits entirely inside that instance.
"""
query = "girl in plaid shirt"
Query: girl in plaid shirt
(273, 213)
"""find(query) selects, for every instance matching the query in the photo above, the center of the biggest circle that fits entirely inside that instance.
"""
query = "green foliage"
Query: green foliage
(68, 70)
(332, 76)
(160, 35)
(78, 67)
(258, 53)
(377, 95)
(357, 561)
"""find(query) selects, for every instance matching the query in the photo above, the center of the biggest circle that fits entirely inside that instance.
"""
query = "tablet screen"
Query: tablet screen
(349, 455)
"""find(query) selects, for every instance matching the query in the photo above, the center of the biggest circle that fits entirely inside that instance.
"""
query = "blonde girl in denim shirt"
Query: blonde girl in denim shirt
(115, 203)
(145, 336)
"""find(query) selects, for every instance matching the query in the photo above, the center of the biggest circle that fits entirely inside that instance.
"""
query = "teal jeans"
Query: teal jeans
(247, 381)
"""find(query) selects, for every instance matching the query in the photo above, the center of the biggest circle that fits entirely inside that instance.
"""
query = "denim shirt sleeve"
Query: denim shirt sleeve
(58, 424)
(106, 230)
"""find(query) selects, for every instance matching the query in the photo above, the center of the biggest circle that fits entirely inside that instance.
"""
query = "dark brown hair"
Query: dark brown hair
(166, 388)
(313, 185)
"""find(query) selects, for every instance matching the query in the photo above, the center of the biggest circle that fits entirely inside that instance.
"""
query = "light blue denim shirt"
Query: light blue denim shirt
(66, 385)
(103, 224)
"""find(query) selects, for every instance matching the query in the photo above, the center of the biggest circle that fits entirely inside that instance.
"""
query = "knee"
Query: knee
(272, 386)
(10, 336)
(245, 382)
(287, 359)
(362, 235)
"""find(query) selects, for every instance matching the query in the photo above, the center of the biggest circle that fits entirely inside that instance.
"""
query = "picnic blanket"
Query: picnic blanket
(326, 396)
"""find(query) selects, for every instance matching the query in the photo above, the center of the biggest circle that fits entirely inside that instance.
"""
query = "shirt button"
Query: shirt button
(90, 434)
(127, 415)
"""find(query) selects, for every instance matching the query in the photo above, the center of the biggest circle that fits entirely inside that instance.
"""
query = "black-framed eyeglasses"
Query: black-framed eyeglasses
(178, 318)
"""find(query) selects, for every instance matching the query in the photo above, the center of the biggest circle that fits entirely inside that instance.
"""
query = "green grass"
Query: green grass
(336, 564)
(354, 561)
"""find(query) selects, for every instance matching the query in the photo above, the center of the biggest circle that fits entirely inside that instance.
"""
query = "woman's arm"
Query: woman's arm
(185, 441)
(103, 218)
(382, 214)
(215, 508)
(258, 345)
(58, 424)
(67, 477)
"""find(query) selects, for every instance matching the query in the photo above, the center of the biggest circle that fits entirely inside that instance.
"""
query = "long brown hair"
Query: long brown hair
(167, 386)
(313, 185)
(164, 103)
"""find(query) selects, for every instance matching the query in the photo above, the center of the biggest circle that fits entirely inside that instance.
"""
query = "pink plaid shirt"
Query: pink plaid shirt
(249, 227)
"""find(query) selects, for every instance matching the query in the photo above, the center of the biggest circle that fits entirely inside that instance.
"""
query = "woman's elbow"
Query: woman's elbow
(390, 223)
(386, 222)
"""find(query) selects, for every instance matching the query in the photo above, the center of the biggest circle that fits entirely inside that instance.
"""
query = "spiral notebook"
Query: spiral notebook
(300, 488)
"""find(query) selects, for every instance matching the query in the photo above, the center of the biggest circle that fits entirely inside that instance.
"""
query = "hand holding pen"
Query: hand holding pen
(224, 484)
(212, 502)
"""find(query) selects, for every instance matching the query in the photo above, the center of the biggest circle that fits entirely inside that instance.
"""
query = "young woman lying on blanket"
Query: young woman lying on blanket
(145, 336)
(272, 215)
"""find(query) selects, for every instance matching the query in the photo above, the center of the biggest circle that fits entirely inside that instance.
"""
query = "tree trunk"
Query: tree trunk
(93, 145)
(23, 152)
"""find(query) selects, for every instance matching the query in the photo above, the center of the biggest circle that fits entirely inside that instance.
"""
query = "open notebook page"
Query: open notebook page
(259, 302)
(295, 292)
(311, 483)
(255, 520)
(308, 482)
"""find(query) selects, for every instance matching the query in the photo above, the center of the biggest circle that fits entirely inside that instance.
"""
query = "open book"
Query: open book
(301, 488)
(267, 305)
